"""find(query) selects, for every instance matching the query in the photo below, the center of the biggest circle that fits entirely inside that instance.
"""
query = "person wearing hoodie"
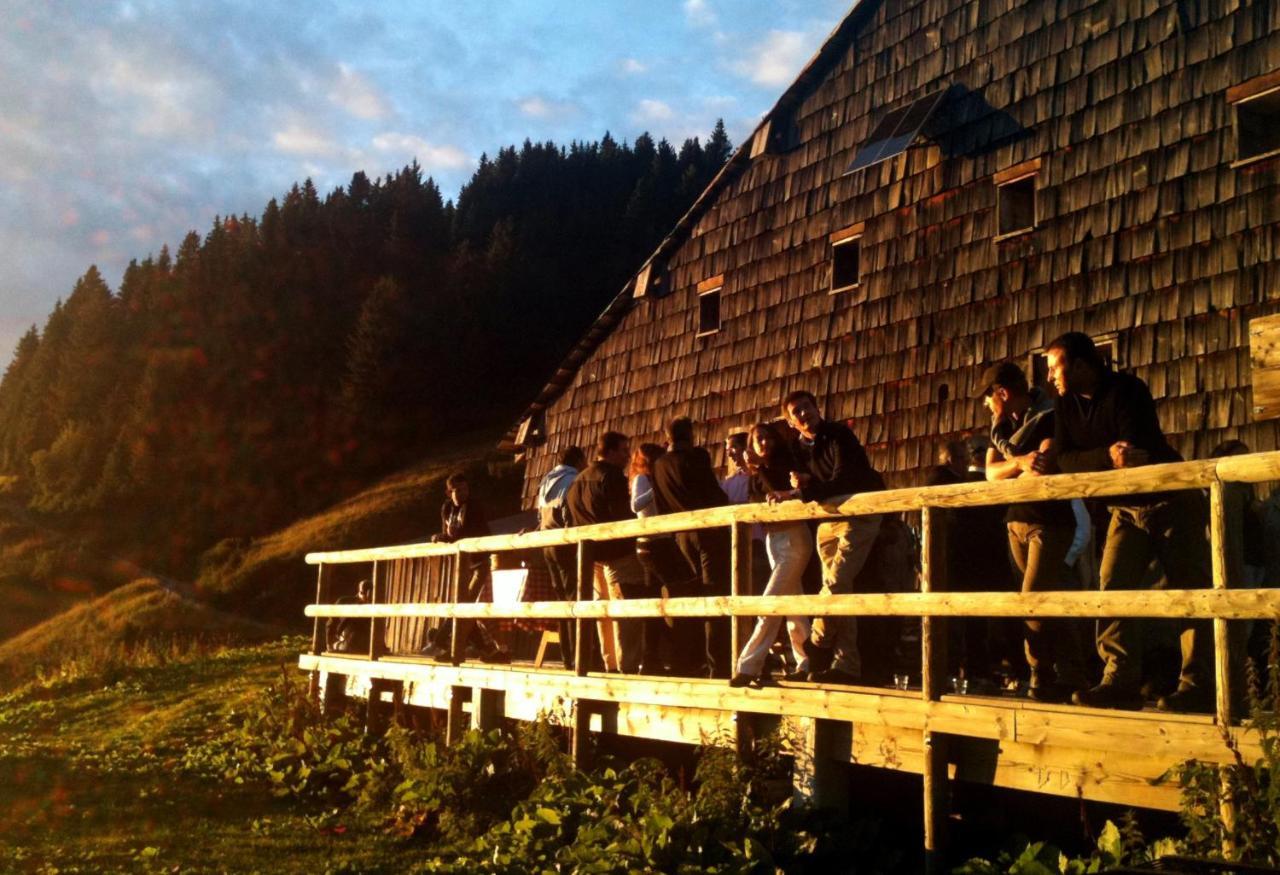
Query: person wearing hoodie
(562, 561)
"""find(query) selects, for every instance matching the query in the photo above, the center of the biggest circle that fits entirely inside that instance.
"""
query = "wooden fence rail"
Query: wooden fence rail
(1218, 601)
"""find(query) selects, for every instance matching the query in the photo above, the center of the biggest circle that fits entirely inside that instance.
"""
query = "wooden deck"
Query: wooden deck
(1103, 755)
(1100, 755)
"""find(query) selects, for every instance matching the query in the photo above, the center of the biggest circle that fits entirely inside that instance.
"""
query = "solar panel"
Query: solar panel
(897, 130)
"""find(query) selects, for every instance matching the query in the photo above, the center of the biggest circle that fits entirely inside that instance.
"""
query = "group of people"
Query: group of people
(1088, 418)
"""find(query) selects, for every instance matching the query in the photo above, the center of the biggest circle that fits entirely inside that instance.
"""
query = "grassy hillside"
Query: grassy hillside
(44, 571)
(95, 776)
(141, 621)
(267, 577)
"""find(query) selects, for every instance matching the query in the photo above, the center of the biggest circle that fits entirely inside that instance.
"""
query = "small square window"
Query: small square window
(1016, 205)
(1258, 126)
(846, 264)
(709, 311)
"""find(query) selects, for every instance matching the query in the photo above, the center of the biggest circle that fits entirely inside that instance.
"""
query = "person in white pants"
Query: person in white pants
(789, 547)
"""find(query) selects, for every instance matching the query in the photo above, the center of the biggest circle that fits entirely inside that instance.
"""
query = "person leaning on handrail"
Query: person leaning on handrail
(1108, 420)
(1041, 534)
(561, 560)
(600, 495)
(833, 464)
(683, 479)
(788, 546)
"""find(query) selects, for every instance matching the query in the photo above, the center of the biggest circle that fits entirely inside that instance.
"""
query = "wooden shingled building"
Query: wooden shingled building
(951, 183)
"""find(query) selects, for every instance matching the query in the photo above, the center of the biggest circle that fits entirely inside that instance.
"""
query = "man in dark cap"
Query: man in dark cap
(1041, 533)
(1107, 420)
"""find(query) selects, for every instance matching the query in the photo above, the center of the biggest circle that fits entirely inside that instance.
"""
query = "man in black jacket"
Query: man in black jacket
(683, 479)
(600, 494)
(837, 466)
(460, 518)
(1107, 420)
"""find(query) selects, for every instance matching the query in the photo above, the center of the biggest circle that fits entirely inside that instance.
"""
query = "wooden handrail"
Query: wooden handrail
(1253, 468)
(1226, 604)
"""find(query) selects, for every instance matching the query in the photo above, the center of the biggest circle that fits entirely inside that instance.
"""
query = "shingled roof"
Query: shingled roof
(832, 49)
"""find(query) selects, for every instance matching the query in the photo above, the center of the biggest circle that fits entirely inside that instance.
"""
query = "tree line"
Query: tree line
(278, 363)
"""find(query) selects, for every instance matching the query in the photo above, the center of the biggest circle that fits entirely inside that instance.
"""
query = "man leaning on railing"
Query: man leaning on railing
(1108, 420)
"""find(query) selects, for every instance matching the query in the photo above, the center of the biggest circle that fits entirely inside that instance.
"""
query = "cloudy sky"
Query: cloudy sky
(123, 125)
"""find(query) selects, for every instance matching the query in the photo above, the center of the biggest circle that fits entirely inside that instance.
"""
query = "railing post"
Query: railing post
(932, 666)
(377, 625)
(317, 632)
(1222, 649)
(456, 648)
(582, 629)
(739, 584)
(322, 596)
(582, 647)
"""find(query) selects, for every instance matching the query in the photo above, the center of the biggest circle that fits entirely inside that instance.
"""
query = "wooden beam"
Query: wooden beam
(487, 708)
(377, 625)
(1253, 468)
(1253, 87)
(1229, 604)
(847, 233)
(582, 633)
(1017, 171)
(455, 722)
(710, 284)
(1222, 647)
(932, 666)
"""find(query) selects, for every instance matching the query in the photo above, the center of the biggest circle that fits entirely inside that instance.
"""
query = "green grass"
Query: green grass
(90, 778)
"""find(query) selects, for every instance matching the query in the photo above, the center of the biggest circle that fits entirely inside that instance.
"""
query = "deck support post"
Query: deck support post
(487, 709)
(1222, 647)
(317, 632)
(820, 778)
(933, 663)
(739, 584)
(455, 723)
(580, 743)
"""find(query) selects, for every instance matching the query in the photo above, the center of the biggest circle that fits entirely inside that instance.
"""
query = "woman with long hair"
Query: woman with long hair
(664, 564)
(789, 546)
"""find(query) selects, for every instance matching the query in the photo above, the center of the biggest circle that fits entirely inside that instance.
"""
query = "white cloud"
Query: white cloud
(429, 155)
(355, 94)
(541, 108)
(632, 67)
(298, 139)
(649, 111)
(699, 13)
(777, 59)
(162, 97)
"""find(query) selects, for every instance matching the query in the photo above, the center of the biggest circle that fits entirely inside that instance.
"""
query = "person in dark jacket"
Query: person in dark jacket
(601, 494)
(835, 465)
(1107, 420)
(1040, 533)
(683, 479)
(461, 518)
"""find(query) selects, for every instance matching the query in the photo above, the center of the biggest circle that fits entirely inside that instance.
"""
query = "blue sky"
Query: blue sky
(123, 125)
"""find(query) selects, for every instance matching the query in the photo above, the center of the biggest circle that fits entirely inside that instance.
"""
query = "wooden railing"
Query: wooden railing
(1219, 601)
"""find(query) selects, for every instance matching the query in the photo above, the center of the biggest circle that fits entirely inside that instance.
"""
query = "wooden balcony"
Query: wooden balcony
(1123, 757)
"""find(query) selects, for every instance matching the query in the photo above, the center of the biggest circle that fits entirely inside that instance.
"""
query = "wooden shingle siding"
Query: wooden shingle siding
(1144, 231)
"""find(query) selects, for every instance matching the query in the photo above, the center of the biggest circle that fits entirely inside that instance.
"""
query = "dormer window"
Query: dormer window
(709, 305)
(1257, 118)
(846, 258)
(1016, 199)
